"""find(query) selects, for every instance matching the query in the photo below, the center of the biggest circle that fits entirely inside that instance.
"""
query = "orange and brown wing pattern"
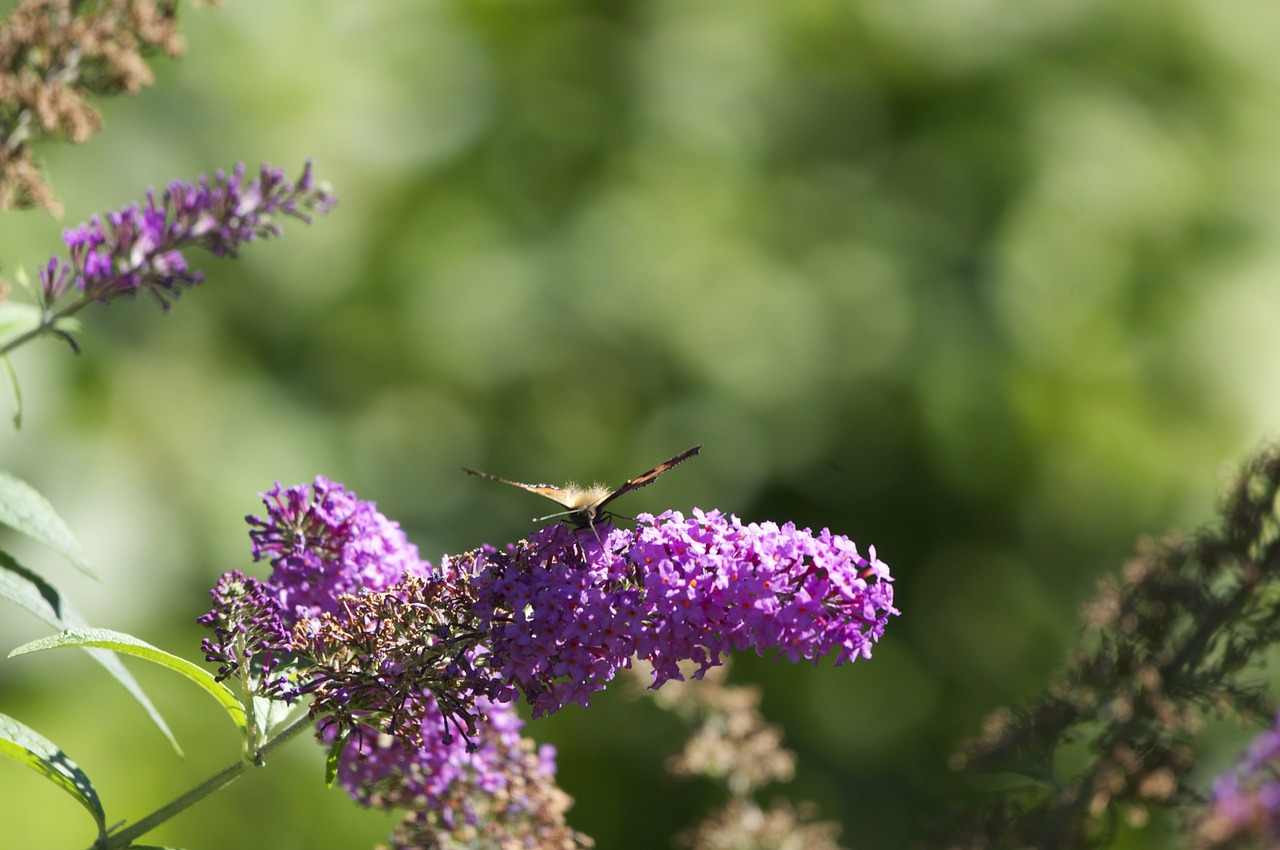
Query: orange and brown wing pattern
(584, 505)
(547, 491)
(646, 478)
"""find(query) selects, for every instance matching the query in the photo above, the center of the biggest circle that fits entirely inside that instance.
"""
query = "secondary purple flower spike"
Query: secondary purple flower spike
(323, 542)
(250, 639)
(433, 767)
(501, 791)
(139, 248)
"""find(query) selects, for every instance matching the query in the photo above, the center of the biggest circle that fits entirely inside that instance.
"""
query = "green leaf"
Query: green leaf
(130, 645)
(22, 743)
(25, 510)
(335, 758)
(269, 715)
(16, 318)
(17, 390)
(42, 599)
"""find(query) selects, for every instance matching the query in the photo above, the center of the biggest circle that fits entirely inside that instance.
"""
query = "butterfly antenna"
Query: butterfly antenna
(554, 515)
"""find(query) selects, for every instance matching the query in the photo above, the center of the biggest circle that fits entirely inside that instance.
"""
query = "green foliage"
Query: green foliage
(989, 285)
(129, 645)
(22, 743)
(20, 586)
(26, 511)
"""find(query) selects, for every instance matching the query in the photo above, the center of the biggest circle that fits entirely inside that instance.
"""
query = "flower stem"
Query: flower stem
(211, 785)
(48, 322)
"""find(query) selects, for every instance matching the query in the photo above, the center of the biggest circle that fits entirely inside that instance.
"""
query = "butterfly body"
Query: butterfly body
(584, 506)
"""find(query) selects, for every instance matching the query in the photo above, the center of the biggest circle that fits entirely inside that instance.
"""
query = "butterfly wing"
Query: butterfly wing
(585, 505)
(547, 491)
(642, 479)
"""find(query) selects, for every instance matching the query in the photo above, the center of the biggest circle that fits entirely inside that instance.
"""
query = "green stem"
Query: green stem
(215, 783)
(48, 321)
(17, 390)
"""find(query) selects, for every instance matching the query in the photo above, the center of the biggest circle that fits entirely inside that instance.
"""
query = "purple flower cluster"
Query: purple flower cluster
(438, 769)
(1245, 805)
(250, 639)
(139, 248)
(355, 592)
(324, 543)
(398, 656)
(499, 793)
(569, 608)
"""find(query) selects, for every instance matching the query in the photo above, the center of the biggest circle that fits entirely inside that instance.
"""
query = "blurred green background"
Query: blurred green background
(990, 285)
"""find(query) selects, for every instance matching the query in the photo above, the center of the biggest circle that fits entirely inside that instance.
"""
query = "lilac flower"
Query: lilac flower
(499, 793)
(250, 639)
(759, 586)
(430, 769)
(1245, 804)
(396, 668)
(411, 670)
(388, 637)
(139, 248)
(569, 608)
(323, 542)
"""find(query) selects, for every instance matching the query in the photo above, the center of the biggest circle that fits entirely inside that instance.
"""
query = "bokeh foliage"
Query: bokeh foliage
(985, 284)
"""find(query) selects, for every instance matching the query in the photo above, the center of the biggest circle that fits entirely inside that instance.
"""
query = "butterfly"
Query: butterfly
(586, 505)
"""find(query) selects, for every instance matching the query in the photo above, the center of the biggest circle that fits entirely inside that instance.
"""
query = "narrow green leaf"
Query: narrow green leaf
(16, 318)
(130, 645)
(17, 390)
(30, 591)
(334, 759)
(25, 510)
(22, 743)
